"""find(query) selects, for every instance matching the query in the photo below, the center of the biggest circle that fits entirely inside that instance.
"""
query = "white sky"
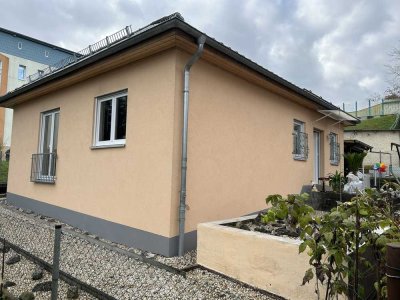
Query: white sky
(338, 49)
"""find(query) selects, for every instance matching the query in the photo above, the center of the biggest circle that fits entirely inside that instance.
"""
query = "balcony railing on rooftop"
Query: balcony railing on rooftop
(43, 167)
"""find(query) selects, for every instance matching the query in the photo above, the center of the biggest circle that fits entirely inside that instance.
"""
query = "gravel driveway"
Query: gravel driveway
(112, 272)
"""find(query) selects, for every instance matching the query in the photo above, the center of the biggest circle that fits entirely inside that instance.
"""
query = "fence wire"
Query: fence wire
(87, 262)
(35, 239)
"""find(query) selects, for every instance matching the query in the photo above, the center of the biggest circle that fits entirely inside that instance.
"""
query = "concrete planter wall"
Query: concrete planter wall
(261, 260)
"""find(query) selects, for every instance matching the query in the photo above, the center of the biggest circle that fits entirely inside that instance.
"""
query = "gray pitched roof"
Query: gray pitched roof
(122, 41)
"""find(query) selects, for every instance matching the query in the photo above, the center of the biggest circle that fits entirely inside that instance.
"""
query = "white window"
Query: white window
(21, 72)
(334, 147)
(110, 127)
(20, 45)
(300, 141)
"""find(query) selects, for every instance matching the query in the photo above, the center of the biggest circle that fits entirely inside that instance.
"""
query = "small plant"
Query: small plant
(292, 210)
(336, 181)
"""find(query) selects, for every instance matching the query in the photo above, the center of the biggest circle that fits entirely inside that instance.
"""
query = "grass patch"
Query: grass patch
(378, 123)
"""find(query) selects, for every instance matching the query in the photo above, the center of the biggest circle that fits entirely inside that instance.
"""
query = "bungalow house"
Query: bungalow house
(107, 141)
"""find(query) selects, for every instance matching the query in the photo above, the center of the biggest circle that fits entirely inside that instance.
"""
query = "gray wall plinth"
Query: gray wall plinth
(112, 231)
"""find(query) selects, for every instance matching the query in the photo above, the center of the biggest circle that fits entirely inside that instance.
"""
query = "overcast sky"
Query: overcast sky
(338, 49)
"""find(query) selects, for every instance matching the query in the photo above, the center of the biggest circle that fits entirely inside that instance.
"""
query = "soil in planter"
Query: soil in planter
(278, 228)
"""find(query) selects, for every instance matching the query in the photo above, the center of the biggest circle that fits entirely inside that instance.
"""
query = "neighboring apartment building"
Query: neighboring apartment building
(100, 142)
(20, 57)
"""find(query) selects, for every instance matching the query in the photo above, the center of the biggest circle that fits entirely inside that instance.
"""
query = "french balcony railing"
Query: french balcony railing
(300, 145)
(334, 153)
(43, 167)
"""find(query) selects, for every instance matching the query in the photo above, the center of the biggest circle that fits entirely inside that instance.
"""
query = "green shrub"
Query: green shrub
(337, 181)
(3, 171)
(367, 221)
(355, 160)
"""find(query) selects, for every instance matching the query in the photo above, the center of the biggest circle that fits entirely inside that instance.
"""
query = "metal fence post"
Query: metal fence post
(393, 270)
(56, 262)
(369, 108)
(2, 268)
(356, 109)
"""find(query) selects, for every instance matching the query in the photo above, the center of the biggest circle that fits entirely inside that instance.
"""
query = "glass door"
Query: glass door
(48, 143)
(317, 155)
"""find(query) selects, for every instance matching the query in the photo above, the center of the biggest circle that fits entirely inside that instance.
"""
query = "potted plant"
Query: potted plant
(354, 161)
(336, 181)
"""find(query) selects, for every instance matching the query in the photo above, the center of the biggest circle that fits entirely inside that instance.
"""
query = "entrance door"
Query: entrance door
(317, 155)
(48, 144)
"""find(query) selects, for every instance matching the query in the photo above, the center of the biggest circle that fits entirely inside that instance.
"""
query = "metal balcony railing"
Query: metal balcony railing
(334, 156)
(107, 42)
(43, 167)
(300, 145)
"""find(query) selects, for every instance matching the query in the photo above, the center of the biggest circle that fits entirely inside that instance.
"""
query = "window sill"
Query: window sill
(299, 158)
(334, 163)
(95, 147)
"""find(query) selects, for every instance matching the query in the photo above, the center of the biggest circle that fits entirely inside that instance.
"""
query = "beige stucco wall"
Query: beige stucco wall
(131, 185)
(240, 145)
(264, 261)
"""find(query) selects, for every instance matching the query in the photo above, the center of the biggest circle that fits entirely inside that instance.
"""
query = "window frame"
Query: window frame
(98, 100)
(19, 45)
(22, 67)
(334, 149)
(51, 175)
(303, 155)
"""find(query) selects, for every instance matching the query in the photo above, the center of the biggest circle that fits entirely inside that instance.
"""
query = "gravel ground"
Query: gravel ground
(114, 273)
(21, 272)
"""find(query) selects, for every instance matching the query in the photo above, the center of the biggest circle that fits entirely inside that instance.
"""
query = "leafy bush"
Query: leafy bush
(365, 222)
(291, 209)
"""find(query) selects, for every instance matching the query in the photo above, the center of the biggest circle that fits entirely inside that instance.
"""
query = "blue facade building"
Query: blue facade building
(20, 57)
(22, 46)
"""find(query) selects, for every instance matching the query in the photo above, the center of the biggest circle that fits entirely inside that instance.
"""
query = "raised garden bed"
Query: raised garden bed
(262, 260)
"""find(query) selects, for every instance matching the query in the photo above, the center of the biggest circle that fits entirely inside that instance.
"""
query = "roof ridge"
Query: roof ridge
(126, 38)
